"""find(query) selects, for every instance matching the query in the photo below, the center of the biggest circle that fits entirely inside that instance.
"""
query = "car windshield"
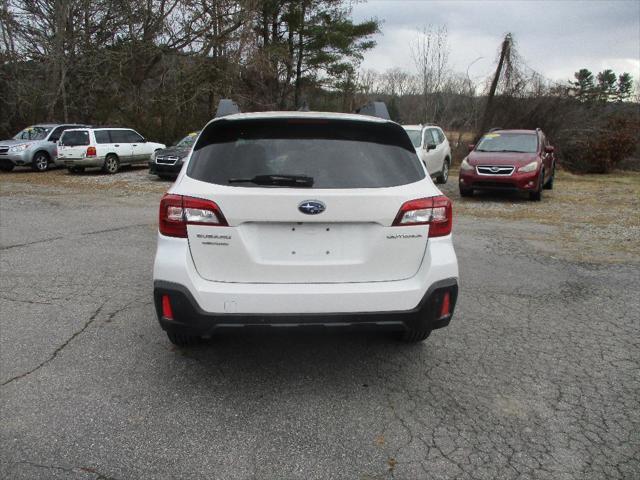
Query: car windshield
(415, 136)
(33, 133)
(188, 141)
(314, 153)
(508, 142)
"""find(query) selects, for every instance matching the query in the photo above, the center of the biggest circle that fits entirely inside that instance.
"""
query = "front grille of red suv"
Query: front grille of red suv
(494, 170)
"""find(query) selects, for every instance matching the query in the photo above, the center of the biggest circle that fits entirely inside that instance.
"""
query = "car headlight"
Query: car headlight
(19, 148)
(465, 165)
(529, 167)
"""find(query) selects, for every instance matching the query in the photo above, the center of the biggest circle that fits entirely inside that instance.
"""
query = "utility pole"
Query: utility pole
(506, 50)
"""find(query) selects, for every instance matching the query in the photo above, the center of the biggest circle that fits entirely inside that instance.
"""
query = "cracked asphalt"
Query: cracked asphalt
(537, 377)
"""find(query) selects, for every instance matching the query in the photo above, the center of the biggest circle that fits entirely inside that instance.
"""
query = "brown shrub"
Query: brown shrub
(599, 148)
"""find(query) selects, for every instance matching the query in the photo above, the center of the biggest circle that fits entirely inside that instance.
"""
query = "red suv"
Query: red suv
(517, 160)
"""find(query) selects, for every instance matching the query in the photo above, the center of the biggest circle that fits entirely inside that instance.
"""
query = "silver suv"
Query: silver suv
(33, 147)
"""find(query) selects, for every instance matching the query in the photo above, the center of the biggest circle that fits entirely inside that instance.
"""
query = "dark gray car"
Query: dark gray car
(167, 163)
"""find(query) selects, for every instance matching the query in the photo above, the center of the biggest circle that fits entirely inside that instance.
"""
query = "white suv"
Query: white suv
(106, 148)
(433, 148)
(299, 219)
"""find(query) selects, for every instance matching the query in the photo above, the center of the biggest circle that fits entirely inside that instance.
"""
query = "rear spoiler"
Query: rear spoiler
(374, 109)
(226, 107)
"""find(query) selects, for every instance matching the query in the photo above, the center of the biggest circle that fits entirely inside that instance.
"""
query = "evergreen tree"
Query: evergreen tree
(583, 86)
(606, 85)
(625, 86)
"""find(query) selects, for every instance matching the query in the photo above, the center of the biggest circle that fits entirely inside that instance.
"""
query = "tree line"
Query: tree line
(162, 65)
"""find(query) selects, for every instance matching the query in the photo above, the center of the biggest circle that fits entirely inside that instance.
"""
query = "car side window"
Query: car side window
(102, 136)
(440, 134)
(133, 137)
(429, 137)
(119, 136)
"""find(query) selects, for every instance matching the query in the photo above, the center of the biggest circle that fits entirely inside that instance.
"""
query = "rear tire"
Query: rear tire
(111, 164)
(444, 175)
(414, 335)
(40, 162)
(182, 340)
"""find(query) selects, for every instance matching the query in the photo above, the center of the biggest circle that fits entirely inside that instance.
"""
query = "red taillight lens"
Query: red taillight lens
(177, 211)
(434, 211)
(91, 151)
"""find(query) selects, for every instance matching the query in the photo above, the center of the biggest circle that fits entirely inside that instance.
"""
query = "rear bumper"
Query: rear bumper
(210, 303)
(80, 162)
(515, 182)
(190, 319)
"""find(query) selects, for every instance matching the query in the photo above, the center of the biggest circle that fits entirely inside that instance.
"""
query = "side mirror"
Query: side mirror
(549, 149)
(471, 146)
(430, 146)
(144, 140)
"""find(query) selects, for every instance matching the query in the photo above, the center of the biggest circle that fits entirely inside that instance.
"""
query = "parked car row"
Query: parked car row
(515, 160)
(75, 147)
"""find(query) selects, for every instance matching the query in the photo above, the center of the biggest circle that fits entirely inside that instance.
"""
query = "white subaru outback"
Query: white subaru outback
(304, 219)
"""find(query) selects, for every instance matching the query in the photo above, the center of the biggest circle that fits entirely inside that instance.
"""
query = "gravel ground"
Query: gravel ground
(536, 377)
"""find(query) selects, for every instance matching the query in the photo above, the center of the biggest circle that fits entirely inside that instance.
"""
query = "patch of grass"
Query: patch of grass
(597, 216)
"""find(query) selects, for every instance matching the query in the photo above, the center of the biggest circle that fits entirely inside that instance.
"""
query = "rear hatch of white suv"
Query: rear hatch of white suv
(304, 199)
(73, 144)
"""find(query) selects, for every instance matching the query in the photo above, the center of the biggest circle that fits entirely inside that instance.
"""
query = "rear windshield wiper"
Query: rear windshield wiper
(277, 180)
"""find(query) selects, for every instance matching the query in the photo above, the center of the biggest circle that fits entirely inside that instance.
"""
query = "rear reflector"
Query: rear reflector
(177, 211)
(445, 310)
(166, 308)
(433, 211)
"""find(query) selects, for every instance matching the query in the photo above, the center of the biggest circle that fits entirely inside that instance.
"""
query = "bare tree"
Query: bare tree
(430, 53)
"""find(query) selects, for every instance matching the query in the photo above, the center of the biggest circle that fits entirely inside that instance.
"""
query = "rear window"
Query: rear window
(74, 138)
(102, 136)
(335, 154)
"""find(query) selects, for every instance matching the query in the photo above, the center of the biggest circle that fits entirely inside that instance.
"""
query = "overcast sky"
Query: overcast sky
(555, 38)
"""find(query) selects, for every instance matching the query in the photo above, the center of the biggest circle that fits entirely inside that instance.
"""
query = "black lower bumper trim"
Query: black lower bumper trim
(190, 319)
(159, 169)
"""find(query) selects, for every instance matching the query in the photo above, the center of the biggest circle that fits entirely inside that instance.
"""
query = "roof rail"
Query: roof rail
(226, 106)
(495, 128)
(375, 109)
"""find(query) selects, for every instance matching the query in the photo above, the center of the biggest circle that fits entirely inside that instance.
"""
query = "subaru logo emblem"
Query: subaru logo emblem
(311, 207)
(495, 169)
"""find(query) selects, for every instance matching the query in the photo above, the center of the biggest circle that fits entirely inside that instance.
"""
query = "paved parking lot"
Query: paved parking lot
(537, 376)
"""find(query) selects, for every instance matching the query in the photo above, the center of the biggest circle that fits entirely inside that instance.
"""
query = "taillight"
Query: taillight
(434, 211)
(177, 211)
(91, 151)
